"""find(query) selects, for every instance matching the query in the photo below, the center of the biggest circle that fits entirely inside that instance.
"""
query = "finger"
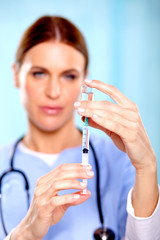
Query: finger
(67, 166)
(115, 127)
(60, 185)
(83, 198)
(76, 174)
(108, 116)
(64, 176)
(46, 207)
(113, 92)
(108, 106)
(68, 199)
(67, 184)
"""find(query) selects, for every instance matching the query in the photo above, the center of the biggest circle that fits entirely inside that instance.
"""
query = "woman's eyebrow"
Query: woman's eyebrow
(39, 68)
(71, 70)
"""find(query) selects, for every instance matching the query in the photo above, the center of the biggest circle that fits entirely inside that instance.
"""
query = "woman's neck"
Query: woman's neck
(67, 136)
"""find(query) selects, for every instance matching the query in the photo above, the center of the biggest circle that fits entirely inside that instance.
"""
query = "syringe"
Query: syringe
(86, 95)
(85, 149)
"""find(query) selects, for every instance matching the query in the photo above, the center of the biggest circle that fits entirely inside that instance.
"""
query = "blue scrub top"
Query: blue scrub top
(117, 176)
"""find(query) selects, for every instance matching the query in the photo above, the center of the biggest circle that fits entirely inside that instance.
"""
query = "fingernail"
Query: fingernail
(76, 196)
(95, 116)
(77, 104)
(88, 80)
(89, 167)
(90, 173)
(81, 110)
(84, 192)
(83, 184)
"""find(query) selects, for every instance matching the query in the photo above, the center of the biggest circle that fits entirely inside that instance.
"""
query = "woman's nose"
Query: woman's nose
(53, 89)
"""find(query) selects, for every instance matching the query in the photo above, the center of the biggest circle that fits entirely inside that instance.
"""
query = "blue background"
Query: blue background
(123, 38)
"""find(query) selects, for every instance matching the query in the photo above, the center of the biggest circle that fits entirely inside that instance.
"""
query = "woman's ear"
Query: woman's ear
(15, 75)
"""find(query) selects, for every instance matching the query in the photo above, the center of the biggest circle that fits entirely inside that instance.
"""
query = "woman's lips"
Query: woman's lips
(51, 110)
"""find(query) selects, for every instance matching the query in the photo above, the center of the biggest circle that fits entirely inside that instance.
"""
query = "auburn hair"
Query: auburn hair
(48, 28)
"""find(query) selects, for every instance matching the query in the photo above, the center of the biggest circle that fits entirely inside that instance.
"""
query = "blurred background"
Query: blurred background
(123, 38)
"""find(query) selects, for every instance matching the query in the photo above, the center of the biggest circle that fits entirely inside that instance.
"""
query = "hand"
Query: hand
(121, 122)
(47, 207)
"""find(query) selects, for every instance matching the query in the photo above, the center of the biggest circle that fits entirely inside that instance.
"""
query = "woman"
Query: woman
(51, 65)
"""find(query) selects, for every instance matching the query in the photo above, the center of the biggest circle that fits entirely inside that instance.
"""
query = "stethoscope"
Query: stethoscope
(102, 233)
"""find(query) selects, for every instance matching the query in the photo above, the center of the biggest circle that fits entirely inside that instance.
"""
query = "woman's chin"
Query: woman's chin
(49, 127)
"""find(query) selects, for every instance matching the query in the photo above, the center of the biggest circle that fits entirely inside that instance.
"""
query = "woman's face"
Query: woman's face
(49, 80)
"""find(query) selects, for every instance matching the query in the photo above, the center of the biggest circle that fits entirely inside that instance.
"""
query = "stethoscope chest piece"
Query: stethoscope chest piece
(104, 234)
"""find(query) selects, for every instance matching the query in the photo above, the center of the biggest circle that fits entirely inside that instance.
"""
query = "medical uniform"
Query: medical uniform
(79, 222)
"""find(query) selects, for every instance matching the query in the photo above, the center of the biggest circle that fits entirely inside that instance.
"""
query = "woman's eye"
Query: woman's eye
(38, 74)
(70, 76)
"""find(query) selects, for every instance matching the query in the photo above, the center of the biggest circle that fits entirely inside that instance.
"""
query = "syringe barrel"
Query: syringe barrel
(87, 93)
(84, 158)
(85, 140)
(86, 90)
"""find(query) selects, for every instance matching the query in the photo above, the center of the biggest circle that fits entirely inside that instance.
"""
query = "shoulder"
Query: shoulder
(5, 154)
(5, 149)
